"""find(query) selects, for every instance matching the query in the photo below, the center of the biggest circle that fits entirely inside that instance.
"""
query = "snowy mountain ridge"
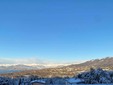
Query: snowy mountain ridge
(9, 68)
(70, 69)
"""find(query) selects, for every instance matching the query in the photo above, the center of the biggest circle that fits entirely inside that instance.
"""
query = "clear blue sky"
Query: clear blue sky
(56, 30)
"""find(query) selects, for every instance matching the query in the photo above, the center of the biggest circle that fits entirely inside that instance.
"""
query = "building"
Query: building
(73, 81)
(38, 82)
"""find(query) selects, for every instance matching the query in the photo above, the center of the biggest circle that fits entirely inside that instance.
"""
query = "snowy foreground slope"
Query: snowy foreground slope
(93, 77)
(82, 84)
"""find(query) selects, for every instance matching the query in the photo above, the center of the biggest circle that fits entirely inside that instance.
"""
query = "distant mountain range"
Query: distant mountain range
(7, 68)
(70, 70)
(17, 68)
(96, 63)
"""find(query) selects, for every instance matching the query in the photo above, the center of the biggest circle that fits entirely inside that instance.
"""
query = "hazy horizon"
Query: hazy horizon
(55, 32)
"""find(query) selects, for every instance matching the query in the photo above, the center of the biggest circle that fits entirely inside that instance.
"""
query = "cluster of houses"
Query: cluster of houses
(94, 76)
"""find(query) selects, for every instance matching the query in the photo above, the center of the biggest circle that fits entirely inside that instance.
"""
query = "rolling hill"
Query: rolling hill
(71, 70)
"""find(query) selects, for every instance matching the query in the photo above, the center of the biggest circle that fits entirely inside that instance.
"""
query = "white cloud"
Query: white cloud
(34, 60)
(19, 61)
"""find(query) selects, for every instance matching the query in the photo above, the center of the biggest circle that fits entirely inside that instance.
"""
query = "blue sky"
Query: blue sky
(56, 30)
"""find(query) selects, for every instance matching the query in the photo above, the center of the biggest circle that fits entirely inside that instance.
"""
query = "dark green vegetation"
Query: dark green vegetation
(97, 76)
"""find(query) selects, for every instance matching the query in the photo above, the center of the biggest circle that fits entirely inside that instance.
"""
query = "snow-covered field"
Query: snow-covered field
(82, 84)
